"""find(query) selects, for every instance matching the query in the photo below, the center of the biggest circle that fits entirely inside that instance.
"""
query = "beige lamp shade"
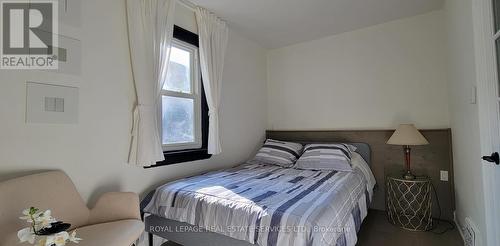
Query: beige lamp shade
(407, 134)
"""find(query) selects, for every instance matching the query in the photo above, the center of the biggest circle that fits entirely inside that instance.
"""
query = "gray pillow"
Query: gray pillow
(280, 153)
(326, 157)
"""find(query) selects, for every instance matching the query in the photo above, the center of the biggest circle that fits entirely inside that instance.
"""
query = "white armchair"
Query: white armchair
(114, 220)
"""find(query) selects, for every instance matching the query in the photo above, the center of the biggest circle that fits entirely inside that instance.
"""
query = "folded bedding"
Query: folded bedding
(272, 205)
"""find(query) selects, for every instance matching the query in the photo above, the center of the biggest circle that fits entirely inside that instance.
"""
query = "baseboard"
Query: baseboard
(469, 231)
(459, 227)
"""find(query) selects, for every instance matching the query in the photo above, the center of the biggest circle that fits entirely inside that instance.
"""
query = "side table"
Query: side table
(409, 202)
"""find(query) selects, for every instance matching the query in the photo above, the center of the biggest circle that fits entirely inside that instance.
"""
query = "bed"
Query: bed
(264, 205)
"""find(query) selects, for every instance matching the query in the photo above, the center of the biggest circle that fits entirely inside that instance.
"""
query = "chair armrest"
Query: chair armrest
(113, 206)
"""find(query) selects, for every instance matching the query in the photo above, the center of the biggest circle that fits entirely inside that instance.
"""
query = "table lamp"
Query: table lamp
(407, 135)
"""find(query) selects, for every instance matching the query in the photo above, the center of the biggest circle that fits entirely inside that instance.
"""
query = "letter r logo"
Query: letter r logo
(27, 28)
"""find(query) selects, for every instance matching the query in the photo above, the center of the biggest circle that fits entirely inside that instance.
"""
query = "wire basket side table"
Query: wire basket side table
(409, 203)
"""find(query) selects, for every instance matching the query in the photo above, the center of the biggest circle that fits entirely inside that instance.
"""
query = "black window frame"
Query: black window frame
(187, 155)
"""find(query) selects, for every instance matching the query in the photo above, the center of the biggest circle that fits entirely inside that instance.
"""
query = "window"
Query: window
(184, 111)
(181, 99)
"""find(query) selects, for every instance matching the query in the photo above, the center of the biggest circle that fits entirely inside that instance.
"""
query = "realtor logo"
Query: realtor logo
(29, 32)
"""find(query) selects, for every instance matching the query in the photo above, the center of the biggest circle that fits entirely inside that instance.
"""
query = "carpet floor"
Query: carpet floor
(376, 230)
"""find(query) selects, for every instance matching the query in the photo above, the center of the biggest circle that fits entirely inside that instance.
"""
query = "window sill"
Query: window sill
(180, 156)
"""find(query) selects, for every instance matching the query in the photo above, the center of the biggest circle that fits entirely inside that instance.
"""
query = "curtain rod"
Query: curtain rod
(187, 4)
(191, 6)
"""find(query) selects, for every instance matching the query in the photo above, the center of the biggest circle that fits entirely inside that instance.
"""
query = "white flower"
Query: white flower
(42, 241)
(26, 216)
(44, 220)
(73, 237)
(26, 235)
(61, 238)
(49, 240)
(58, 239)
(41, 220)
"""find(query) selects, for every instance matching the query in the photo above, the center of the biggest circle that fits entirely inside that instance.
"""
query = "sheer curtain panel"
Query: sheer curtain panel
(213, 35)
(150, 29)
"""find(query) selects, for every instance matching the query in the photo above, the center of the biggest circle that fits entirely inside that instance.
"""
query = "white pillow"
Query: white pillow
(280, 153)
(326, 157)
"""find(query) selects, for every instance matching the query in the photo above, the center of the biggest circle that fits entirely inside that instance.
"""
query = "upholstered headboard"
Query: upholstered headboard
(365, 151)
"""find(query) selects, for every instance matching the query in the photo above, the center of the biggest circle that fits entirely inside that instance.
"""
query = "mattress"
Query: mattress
(270, 205)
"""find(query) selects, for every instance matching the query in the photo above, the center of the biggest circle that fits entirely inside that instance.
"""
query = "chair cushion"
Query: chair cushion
(118, 233)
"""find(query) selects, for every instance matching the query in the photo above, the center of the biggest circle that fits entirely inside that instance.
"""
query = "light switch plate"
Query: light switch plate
(46, 103)
(443, 175)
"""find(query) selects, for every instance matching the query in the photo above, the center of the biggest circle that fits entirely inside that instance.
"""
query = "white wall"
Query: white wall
(464, 116)
(94, 151)
(372, 78)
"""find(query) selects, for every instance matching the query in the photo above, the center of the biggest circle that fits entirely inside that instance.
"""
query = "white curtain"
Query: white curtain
(213, 35)
(150, 27)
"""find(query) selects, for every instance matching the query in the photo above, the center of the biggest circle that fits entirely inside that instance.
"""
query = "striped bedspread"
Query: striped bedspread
(270, 205)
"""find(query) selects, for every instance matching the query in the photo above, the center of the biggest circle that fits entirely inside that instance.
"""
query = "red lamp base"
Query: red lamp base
(408, 174)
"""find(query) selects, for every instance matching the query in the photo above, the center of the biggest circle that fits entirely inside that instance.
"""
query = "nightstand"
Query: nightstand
(409, 202)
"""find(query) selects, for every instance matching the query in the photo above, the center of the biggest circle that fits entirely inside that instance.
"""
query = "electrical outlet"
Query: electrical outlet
(443, 175)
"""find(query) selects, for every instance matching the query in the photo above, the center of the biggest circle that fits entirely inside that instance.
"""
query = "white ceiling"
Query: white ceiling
(277, 23)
